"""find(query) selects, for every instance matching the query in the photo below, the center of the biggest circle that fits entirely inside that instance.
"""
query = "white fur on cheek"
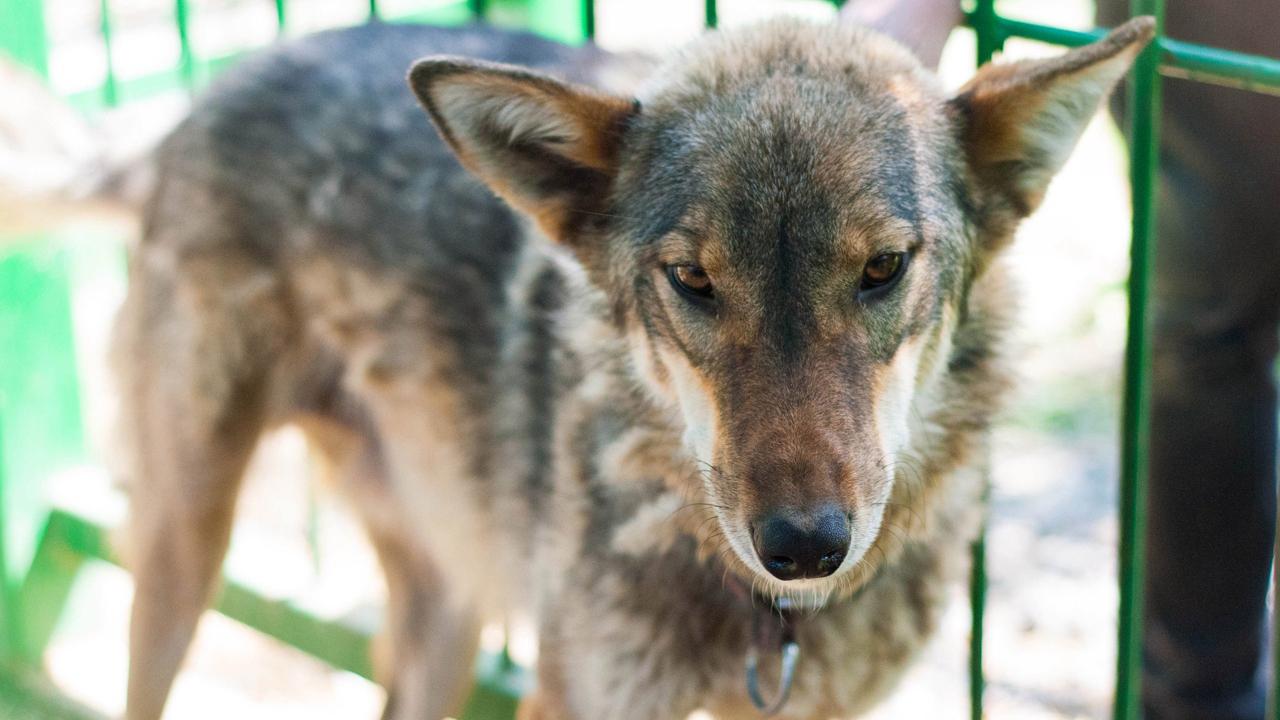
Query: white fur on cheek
(893, 404)
(697, 407)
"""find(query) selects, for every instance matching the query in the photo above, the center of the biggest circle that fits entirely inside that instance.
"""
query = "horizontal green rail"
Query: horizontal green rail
(1179, 59)
(341, 644)
(69, 539)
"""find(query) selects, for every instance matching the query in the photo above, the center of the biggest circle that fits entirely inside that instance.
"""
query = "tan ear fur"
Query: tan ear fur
(1019, 122)
(547, 147)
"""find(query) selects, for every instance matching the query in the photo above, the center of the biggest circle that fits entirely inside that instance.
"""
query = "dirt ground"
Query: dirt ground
(1052, 596)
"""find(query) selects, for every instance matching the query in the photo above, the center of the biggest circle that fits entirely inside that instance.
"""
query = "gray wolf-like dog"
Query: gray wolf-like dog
(690, 365)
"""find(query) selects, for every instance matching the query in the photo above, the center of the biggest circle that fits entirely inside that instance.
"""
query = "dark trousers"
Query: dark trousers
(1211, 507)
(1211, 497)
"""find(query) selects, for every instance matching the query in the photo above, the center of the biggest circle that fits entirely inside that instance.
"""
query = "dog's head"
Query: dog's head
(786, 225)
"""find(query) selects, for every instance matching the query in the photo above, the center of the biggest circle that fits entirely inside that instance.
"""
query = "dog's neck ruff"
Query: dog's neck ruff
(773, 624)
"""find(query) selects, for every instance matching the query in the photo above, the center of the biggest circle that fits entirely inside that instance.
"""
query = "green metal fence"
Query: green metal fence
(1165, 56)
(42, 547)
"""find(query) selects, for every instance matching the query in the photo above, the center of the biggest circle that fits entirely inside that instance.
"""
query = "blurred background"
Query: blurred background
(1051, 544)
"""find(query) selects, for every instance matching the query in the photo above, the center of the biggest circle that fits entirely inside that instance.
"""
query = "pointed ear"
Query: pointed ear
(1018, 122)
(548, 148)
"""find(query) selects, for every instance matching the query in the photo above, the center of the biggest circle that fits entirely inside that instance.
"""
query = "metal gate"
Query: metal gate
(42, 547)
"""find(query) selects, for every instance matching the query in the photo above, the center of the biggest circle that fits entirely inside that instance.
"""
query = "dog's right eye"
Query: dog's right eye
(691, 281)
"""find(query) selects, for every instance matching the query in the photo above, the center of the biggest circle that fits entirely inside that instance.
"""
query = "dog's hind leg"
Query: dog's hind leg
(193, 360)
(425, 655)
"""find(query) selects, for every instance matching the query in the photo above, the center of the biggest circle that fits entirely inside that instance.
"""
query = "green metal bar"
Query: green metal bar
(978, 608)
(340, 644)
(39, 405)
(186, 61)
(588, 19)
(1179, 59)
(45, 590)
(110, 90)
(1221, 67)
(989, 42)
(10, 616)
(282, 11)
(987, 26)
(711, 13)
(1144, 160)
(478, 8)
(73, 539)
(373, 9)
(23, 36)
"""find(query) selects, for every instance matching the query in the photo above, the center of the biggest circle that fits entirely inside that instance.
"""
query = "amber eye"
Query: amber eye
(692, 281)
(882, 270)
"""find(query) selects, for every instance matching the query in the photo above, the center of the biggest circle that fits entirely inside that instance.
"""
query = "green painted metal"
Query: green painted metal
(1177, 59)
(570, 21)
(711, 13)
(989, 42)
(38, 575)
(186, 57)
(987, 25)
(282, 16)
(1253, 73)
(1220, 67)
(1144, 164)
(23, 36)
(26, 695)
(40, 408)
(588, 19)
(110, 83)
(373, 9)
(977, 609)
(69, 540)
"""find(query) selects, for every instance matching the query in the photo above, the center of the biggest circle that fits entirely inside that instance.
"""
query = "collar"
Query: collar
(773, 625)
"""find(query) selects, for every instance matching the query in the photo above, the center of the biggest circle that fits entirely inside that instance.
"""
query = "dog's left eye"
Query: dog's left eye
(882, 270)
(692, 281)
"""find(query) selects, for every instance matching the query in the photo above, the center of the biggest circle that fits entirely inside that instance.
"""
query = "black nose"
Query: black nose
(796, 545)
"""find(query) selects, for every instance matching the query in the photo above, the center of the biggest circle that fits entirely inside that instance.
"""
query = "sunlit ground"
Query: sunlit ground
(1052, 598)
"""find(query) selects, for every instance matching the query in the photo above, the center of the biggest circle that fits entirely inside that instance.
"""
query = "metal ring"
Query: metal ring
(790, 654)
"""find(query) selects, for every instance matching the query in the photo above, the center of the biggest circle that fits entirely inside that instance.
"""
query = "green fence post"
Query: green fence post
(978, 607)
(711, 13)
(22, 34)
(110, 86)
(986, 25)
(589, 19)
(187, 60)
(1144, 158)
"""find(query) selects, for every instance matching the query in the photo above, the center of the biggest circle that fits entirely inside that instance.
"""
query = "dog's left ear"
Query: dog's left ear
(547, 147)
(1019, 121)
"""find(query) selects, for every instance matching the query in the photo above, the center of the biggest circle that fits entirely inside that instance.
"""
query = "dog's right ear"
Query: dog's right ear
(1019, 121)
(548, 148)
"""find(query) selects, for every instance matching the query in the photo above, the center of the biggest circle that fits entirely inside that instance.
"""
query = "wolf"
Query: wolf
(695, 371)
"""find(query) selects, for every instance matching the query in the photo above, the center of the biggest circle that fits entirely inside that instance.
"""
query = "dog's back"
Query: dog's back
(310, 232)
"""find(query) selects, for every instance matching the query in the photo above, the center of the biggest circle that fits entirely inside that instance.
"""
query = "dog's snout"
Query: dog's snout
(795, 545)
